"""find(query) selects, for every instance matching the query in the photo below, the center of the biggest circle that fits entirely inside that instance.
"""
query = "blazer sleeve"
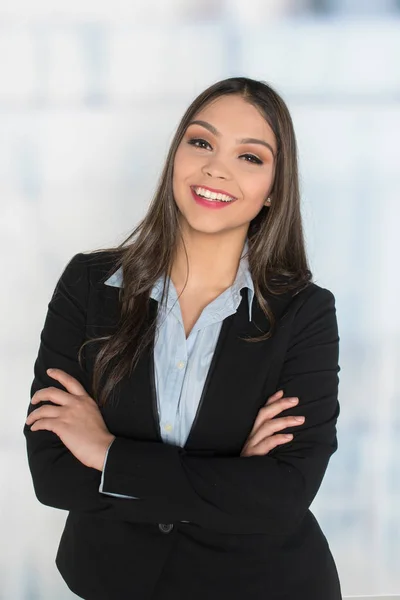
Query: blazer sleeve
(268, 493)
(61, 480)
(102, 478)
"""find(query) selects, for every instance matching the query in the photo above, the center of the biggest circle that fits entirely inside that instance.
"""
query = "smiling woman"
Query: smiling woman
(192, 412)
(213, 150)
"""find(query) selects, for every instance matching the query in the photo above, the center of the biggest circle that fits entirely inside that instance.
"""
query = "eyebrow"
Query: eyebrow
(249, 140)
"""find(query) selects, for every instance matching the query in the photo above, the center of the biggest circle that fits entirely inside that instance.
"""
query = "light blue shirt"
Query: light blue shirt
(181, 364)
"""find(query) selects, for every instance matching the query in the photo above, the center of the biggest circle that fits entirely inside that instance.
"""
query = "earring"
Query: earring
(269, 198)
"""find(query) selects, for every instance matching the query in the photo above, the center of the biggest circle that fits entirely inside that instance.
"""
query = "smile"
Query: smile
(210, 199)
(210, 194)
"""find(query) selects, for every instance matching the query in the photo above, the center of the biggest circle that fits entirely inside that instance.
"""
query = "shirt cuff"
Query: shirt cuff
(102, 480)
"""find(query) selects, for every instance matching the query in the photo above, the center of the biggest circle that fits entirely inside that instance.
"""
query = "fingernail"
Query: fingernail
(301, 419)
(288, 436)
(293, 400)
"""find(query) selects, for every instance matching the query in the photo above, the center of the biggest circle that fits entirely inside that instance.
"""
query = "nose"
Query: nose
(215, 168)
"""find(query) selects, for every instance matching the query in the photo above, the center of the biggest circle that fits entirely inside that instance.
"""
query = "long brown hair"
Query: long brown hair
(276, 249)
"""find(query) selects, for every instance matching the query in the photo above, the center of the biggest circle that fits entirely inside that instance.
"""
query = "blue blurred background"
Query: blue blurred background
(90, 94)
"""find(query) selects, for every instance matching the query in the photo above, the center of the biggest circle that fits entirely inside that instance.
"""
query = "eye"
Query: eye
(198, 141)
(254, 160)
(195, 141)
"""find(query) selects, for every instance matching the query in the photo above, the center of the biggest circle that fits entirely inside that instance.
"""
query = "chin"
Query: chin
(207, 228)
(204, 228)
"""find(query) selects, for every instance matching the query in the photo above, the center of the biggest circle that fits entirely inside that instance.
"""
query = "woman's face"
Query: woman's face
(232, 151)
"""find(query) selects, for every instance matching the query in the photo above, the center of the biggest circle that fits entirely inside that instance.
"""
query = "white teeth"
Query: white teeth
(212, 195)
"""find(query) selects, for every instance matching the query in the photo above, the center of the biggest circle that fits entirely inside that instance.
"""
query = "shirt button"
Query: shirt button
(165, 527)
(180, 364)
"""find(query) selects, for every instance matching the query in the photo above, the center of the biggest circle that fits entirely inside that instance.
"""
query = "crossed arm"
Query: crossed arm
(252, 494)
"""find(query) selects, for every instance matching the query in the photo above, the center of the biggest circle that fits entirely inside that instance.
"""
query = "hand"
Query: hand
(262, 437)
(76, 419)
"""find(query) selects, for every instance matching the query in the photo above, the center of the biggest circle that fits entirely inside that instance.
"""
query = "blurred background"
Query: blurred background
(90, 94)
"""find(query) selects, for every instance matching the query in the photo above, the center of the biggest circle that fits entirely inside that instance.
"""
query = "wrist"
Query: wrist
(101, 452)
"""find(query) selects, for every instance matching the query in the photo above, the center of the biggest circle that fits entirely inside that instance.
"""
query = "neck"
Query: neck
(212, 260)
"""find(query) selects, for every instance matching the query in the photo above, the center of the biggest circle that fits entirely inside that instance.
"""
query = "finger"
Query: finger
(43, 411)
(270, 411)
(48, 424)
(267, 444)
(270, 427)
(279, 405)
(285, 422)
(51, 394)
(274, 397)
(72, 385)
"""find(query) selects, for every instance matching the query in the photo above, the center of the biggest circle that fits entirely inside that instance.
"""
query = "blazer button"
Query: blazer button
(165, 527)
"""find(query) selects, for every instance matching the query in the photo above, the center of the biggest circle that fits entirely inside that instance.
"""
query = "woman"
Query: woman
(183, 360)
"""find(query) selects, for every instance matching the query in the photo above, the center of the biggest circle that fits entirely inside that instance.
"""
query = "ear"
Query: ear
(267, 201)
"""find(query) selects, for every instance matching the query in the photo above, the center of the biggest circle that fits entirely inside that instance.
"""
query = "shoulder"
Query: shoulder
(94, 267)
(313, 294)
(313, 308)
(300, 301)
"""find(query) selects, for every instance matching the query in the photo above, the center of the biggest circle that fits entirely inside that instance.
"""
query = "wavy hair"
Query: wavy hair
(276, 248)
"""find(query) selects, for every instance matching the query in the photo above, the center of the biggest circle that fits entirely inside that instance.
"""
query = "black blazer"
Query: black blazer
(251, 534)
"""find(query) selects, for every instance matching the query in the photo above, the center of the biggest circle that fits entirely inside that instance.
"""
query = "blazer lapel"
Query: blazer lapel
(233, 392)
(234, 389)
(131, 410)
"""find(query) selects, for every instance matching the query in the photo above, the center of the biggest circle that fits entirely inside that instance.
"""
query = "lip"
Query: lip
(214, 190)
(208, 203)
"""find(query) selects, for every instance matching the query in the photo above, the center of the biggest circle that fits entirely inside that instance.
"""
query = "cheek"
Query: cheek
(182, 162)
(181, 172)
(255, 187)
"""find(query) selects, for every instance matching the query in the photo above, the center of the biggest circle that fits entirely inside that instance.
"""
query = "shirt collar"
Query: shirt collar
(243, 280)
